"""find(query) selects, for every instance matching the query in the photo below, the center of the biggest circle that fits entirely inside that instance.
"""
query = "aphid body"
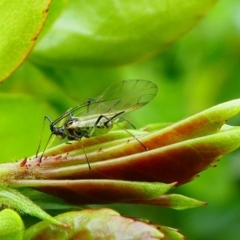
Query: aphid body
(97, 115)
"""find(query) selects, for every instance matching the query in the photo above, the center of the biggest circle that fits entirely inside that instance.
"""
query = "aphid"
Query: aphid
(97, 115)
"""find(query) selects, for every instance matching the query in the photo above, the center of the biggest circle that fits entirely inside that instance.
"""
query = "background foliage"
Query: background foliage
(200, 70)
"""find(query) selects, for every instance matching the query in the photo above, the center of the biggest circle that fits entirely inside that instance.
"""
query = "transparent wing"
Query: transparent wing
(127, 96)
(83, 107)
(124, 96)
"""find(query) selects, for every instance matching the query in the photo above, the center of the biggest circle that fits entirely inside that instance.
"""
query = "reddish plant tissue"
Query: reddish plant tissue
(176, 154)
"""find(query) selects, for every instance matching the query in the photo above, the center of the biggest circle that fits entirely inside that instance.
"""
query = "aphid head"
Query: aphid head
(58, 131)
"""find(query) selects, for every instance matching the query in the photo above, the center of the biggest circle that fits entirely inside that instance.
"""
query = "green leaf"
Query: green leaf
(47, 201)
(110, 33)
(176, 153)
(20, 24)
(11, 225)
(97, 191)
(171, 233)
(94, 224)
(123, 167)
(175, 201)
(16, 200)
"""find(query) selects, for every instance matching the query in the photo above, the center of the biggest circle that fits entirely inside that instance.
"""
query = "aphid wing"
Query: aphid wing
(82, 109)
(127, 95)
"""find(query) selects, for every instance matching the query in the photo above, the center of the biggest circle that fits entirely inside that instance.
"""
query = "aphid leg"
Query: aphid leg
(41, 136)
(129, 122)
(79, 140)
(91, 100)
(40, 159)
(111, 120)
(89, 166)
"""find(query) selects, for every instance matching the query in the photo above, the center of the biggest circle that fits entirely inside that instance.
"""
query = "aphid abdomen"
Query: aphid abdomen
(100, 129)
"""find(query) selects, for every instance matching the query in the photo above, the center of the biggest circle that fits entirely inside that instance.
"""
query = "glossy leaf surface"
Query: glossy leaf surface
(20, 24)
(112, 33)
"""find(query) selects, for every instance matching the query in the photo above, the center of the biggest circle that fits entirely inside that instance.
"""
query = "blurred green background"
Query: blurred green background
(199, 70)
